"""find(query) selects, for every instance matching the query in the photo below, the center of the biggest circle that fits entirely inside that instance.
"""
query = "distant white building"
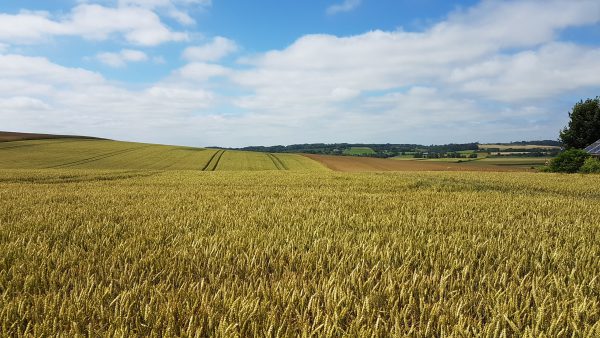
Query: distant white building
(594, 149)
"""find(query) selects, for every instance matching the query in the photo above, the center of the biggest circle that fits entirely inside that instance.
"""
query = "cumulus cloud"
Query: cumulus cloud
(136, 25)
(496, 71)
(176, 9)
(469, 42)
(120, 59)
(346, 6)
(215, 50)
(200, 71)
(22, 103)
(550, 70)
(36, 94)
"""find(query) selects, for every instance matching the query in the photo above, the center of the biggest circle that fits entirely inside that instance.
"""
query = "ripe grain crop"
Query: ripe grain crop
(369, 164)
(280, 253)
(106, 154)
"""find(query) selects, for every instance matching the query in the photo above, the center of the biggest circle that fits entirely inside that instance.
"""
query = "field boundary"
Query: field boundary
(96, 158)
(277, 162)
(216, 157)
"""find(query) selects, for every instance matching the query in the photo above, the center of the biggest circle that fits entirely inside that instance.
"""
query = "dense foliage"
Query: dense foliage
(550, 143)
(584, 126)
(569, 161)
(590, 166)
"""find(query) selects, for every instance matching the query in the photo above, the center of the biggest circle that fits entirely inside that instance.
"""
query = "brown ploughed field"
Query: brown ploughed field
(354, 164)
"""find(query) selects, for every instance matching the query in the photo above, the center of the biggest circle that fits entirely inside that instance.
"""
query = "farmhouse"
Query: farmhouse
(594, 149)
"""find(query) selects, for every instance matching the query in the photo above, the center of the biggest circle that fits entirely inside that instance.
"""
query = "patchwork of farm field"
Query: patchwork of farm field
(106, 154)
(278, 253)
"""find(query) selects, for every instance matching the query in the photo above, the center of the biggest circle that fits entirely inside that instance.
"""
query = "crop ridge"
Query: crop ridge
(11, 146)
(96, 158)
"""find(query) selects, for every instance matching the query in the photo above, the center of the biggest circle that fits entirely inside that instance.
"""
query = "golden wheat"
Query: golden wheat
(298, 254)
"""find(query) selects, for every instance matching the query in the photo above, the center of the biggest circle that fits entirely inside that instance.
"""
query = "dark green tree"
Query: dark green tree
(584, 127)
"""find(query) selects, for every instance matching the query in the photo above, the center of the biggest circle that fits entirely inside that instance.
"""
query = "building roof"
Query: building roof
(594, 149)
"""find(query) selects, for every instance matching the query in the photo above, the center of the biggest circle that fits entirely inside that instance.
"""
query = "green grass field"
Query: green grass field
(357, 151)
(105, 154)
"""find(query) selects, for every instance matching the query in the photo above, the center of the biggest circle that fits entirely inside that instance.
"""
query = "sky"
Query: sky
(267, 72)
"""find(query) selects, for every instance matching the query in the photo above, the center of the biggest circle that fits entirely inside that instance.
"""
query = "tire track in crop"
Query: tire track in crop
(210, 160)
(213, 162)
(277, 162)
(96, 158)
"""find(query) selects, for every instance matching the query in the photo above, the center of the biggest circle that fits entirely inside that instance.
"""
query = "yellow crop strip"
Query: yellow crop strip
(282, 253)
(106, 154)
(245, 160)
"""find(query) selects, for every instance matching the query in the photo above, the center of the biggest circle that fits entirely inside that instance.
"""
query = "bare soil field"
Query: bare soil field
(356, 164)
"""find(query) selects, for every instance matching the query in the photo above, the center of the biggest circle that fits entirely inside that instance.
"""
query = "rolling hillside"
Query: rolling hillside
(42, 151)
(82, 153)
(7, 136)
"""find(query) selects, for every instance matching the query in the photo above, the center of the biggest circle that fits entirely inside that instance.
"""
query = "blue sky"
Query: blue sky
(235, 73)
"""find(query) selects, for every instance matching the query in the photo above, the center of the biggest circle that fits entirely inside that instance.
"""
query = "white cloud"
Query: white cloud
(22, 103)
(315, 65)
(121, 58)
(553, 69)
(215, 50)
(342, 94)
(36, 94)
(346, 6)
(172, 8)
(164, 3)
(199, 71)
(136, 24)
(492, 72)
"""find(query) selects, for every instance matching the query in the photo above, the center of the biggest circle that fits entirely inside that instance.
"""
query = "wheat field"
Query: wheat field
(313, 253)
(76, 153)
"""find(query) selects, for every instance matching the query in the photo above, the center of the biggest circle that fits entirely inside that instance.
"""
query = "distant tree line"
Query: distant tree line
(526, 153)
(444, 155)
(382, 150)
(385, 150)
(548, 143)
